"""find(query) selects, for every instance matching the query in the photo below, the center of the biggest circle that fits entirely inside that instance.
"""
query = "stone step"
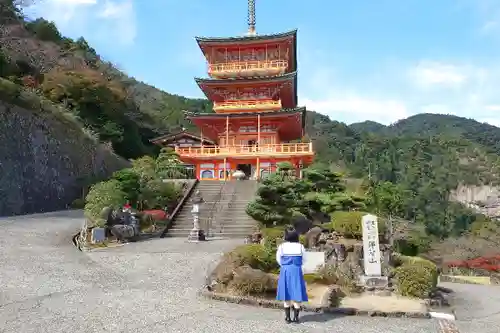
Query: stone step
(231, 236)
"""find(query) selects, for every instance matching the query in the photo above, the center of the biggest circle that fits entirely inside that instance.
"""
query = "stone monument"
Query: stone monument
(371, 254)
(196, 233)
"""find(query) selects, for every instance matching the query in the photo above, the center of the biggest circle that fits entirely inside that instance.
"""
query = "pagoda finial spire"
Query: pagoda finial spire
(251, 18)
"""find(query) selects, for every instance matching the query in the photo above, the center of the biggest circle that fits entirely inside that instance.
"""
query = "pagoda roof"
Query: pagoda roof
(178, 135)
(250, 80)
(247, 80)
(289, 111)
(215, 123)
(246, 39)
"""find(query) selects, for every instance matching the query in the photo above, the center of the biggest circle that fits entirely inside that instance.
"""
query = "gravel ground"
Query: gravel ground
(46, 285)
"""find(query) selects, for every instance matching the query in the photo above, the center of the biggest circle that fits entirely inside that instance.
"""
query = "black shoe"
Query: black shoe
(287, 315)
(296, 315)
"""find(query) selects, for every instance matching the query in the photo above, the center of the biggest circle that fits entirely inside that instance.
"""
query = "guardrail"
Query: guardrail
(247, 105)
(242, 66)
(285, 149)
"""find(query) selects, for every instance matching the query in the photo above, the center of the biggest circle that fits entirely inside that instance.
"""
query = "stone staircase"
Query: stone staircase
(223, 213)
(231, 220)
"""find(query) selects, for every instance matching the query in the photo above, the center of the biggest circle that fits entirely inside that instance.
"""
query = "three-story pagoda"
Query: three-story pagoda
(257, 124)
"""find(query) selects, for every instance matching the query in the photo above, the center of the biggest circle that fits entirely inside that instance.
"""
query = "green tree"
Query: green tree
(281, 198)
(386, 198)
(44, 30)
(129, 181)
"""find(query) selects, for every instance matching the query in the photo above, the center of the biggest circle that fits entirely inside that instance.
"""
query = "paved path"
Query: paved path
(46, 285)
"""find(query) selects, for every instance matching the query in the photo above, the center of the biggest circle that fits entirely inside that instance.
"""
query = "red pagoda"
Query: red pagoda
(256, 124)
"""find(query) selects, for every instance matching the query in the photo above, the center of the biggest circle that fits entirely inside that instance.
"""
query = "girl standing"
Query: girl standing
(291, 284)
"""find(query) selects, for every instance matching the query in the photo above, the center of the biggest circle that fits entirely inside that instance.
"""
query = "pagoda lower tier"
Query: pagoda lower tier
(215, 168)
(250, 142)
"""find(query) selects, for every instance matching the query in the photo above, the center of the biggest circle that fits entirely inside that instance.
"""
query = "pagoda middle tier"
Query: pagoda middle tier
(262, 94)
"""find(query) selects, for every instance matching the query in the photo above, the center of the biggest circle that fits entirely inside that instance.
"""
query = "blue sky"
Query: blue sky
(358, 60)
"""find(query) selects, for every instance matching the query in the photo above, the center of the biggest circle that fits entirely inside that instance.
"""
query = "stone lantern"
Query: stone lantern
(196, 233)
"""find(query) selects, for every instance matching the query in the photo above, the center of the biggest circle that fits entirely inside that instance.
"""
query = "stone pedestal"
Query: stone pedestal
(196, 233)
(375, 282)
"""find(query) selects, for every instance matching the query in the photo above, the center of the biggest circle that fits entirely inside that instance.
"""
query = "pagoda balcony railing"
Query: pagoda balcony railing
(231, 106)
(248, 68)
(265, 150)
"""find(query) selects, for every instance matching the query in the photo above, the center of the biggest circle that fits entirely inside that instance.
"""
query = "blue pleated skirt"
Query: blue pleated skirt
(291, 283)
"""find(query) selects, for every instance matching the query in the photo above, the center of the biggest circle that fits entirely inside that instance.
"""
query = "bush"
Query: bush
(130, 183)
(157, 194)
(248, 281)
(331, 274)
(101, 195)
(415, 277)
(78, 203)
(257, 256)
(349, 223)
(9, 91)
(273, 237)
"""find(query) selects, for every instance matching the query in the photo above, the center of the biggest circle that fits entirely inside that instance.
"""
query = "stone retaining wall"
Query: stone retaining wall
(46, 159)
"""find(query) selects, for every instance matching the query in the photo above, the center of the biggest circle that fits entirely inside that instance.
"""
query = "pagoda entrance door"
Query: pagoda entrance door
(246, 168)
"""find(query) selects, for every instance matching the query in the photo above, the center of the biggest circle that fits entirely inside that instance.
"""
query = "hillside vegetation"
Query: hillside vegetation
(408, 170)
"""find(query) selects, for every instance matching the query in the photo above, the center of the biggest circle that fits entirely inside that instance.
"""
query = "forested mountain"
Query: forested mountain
(117, 108)
(417, 162)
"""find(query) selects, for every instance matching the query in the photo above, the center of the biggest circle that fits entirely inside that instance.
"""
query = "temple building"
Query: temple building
(256, 121)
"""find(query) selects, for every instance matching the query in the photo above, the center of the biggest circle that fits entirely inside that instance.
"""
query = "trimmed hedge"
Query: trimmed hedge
(415, 276)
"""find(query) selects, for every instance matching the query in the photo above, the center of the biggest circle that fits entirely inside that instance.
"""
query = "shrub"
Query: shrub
(78, 203)
(490, 264)
(157, 214)
(415, 277)
(349, 223)
(157, 194)
(103, 194)
(330, 274)
(302, 239)
(248, 281)
(273, 237)
(9, 91)
(257, 256)
(129, 182)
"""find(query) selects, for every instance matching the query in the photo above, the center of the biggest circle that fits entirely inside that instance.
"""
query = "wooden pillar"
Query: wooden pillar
(225, 168)
(257, 171)
(201, 137)
(227, 131)
(258, 129)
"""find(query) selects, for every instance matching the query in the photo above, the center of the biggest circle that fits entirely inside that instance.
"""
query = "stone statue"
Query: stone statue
(121, 223)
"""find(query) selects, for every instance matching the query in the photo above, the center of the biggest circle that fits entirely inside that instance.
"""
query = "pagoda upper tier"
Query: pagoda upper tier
(250, 56)
(262, 94)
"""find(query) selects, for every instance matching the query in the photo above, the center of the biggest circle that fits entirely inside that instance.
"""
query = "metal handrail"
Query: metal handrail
(213, 210)
(230, 203)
